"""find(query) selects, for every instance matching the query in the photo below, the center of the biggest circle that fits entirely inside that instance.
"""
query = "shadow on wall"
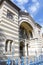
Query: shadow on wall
(2, 39)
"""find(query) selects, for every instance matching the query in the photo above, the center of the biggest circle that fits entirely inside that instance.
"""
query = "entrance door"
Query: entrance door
(21, 49)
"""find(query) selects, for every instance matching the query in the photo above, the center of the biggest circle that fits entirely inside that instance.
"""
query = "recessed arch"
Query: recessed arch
(26, 25)
(26, 21)
(25, 28)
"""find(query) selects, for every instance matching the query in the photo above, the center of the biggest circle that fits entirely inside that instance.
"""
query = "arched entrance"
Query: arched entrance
(25, 33)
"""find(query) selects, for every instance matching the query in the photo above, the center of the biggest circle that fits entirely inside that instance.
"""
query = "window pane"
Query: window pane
(9, 14)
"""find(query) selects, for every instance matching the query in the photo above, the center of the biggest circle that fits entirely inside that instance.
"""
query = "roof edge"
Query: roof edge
(11, 3)
(38, 25)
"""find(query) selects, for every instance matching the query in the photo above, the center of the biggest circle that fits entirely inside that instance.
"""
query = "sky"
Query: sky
(33, 7)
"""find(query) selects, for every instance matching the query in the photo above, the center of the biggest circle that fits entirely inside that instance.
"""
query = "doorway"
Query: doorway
(22, 49)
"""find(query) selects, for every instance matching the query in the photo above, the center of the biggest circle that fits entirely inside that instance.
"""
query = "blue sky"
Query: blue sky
(34, 7)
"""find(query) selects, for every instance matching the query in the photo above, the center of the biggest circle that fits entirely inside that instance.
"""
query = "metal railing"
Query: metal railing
(23, 61)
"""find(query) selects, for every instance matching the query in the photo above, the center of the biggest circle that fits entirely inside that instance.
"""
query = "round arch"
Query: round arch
(25, 28)
(26, 21)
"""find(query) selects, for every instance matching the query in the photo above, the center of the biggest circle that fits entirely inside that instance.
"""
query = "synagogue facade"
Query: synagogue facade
(19, 33)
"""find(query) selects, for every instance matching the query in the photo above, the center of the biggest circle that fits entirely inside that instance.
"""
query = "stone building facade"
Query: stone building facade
(19, 34)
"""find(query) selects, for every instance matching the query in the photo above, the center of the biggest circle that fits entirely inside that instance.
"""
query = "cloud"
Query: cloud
(13, 0)
(34, 8)
(20, 6)
(21, 3)
(34, 1)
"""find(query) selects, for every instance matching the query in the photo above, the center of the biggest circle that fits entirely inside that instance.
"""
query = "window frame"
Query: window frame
(10, 15)
(6, 45)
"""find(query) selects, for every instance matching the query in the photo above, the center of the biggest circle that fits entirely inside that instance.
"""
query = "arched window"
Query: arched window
(8, 45)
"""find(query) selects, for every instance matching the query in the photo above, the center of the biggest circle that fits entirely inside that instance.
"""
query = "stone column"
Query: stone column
(13, 48)
(25, 49)
(33, 33)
